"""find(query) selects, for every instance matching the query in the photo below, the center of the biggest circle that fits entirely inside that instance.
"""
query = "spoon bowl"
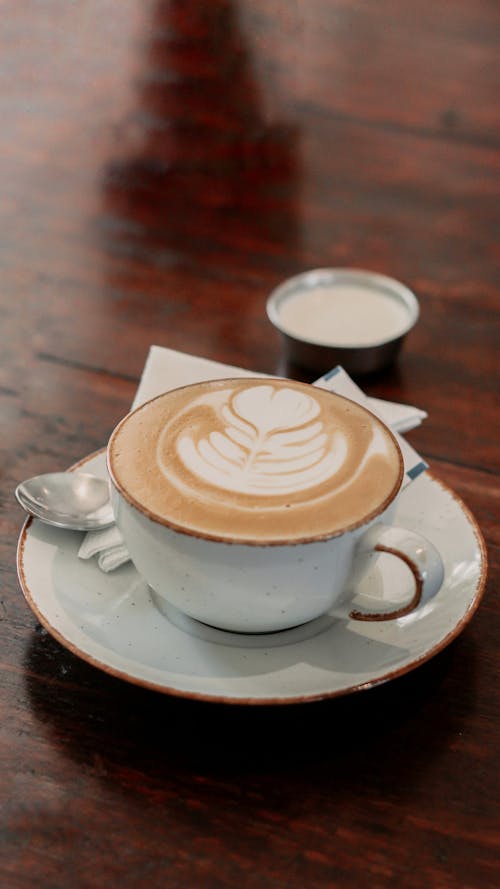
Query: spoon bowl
(75, 500)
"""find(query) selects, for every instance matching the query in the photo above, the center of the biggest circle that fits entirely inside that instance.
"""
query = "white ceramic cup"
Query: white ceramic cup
(259, 588)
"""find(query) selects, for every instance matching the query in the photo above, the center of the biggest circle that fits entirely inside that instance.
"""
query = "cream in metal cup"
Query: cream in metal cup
(186, 509)
(351, 317)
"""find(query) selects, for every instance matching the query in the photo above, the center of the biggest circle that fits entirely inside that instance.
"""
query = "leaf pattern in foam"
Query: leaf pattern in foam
(271, 443)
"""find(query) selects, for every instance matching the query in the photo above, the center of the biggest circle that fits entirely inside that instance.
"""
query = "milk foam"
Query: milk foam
(255, 460)
(269, 444)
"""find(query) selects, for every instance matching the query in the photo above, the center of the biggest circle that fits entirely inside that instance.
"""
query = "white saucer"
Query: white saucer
(114, 622)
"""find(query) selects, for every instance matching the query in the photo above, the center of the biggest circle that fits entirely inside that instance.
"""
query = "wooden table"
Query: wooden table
(162, 166)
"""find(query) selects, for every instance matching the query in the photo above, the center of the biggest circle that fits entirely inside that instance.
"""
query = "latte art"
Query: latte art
(255, 460)
(269, 443)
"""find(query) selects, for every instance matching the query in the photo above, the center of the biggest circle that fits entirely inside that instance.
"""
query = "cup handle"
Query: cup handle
(418, 553)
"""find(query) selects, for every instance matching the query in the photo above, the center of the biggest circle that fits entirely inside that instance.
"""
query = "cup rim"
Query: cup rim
(156, 519)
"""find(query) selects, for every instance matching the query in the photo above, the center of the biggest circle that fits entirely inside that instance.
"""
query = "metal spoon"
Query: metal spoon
(75, 500)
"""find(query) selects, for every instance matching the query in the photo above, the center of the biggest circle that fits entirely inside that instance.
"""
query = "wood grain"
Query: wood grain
(163, 165)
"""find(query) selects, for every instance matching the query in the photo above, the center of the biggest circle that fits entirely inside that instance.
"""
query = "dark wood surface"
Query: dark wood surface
(162, 166)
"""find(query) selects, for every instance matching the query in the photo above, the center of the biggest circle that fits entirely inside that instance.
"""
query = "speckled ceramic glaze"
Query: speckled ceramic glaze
(115, 622)
(247, 504)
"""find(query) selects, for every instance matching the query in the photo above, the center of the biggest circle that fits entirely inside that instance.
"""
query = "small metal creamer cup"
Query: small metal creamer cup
(321, 356)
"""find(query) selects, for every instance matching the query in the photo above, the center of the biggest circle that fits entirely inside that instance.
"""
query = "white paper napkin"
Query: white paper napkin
(399, 417)
(167, 369)
(107, 545)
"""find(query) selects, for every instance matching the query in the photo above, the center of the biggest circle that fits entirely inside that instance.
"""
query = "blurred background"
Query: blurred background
(148, 149)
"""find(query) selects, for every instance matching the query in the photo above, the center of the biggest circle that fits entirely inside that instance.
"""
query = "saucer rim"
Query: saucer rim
(259, 701)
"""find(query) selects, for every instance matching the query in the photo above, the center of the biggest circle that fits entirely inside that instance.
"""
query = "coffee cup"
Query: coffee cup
(248, 504)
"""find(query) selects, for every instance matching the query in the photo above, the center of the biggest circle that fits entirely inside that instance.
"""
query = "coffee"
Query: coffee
(259, 461)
